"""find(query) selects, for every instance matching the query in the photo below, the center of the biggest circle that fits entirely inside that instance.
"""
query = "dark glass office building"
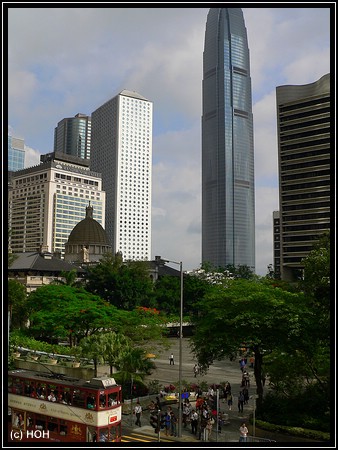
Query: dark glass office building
(228, 193)
(73, 136)
(304, 154)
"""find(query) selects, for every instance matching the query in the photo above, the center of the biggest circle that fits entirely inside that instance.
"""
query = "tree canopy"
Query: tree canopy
(17, 304)
(125, 285)
(66, 312)
(256, 313)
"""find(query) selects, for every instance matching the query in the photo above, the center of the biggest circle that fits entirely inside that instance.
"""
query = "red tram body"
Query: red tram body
(54, 407)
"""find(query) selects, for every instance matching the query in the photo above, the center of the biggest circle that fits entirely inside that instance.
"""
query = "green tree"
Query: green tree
(17, 303)
(317, 272)
(125, 285)
(133, 365)
(167, 292)
(264, 317)
(59, 312)
(114, 345)
(70, 279)
(93, 347)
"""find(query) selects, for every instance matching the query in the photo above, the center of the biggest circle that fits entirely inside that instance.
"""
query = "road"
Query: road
(219, 371)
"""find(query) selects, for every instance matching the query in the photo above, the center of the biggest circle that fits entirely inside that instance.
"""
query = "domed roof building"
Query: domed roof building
(88, 241)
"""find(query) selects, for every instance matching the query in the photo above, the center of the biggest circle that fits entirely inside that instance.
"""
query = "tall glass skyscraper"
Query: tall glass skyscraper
(228, 192)
(73, 136)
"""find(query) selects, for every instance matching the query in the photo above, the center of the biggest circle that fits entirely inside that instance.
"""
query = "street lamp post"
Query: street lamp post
(254, 397)
(180, 350)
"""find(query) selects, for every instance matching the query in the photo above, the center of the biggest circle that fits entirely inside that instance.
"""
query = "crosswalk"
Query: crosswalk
(140, 437)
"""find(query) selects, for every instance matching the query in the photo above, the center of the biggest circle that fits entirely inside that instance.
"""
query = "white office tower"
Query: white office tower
(47, 201)
(121, 150)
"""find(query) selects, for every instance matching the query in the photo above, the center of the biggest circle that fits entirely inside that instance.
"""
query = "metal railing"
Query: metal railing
(258, 439)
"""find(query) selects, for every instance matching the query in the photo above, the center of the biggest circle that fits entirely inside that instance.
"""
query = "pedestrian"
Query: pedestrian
(229, 400)
(246, 377)
(167, 423)
(173, 423)
(195, 370)
(171, 359)
(208, 427)
(138, 413)
(158, 404)
(240, 402)
(252, 361)
(186, 412)
(202, 428)
(243, 433)
(152, 407)
(246, 395)
(194, 421)
(227, 390)
(242, 364)
(219, 422)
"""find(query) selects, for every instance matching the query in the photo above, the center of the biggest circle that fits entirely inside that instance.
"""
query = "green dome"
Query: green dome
(88, 231)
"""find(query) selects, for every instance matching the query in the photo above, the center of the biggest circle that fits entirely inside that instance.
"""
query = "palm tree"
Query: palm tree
(114, 344)
(93, 347)
(133, 365)
(70, 278)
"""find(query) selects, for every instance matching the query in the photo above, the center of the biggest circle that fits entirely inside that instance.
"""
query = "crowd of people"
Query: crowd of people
(203, 415)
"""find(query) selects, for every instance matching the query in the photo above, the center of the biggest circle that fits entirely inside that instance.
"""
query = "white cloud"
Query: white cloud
(265, 140)
(32, 157)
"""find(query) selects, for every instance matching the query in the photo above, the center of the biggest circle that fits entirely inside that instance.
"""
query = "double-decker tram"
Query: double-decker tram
(54, 407)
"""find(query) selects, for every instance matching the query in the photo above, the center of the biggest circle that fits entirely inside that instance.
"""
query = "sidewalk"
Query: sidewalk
(229, 433)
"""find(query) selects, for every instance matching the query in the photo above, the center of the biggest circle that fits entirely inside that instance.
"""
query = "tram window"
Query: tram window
(29, 421)
(66, 397)
(40, 422)
(112, 399)
(28, 388)
(92, 435)
(52, 388)
(63, 427)
(17, 386)
(18, 419)
(103, 435)
(41, 391)
(103, 400)
(52, 424)
(91, 402)
(79, 398)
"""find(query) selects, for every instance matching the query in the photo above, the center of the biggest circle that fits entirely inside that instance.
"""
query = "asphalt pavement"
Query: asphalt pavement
(220, 371)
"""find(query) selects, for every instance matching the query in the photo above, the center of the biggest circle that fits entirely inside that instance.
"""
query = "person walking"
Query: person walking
(173, 424)
(167, 423)
(208, 428)
(171, 359)
(138, 413)
(229, 397)
(240, 402)
(243, 433)
(194, 422)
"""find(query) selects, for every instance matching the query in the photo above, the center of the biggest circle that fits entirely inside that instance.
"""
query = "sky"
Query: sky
(68, 60)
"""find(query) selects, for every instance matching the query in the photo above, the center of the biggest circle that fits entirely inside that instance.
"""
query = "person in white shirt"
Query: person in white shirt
(243, 433)
(138, 413)
(51, 397)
